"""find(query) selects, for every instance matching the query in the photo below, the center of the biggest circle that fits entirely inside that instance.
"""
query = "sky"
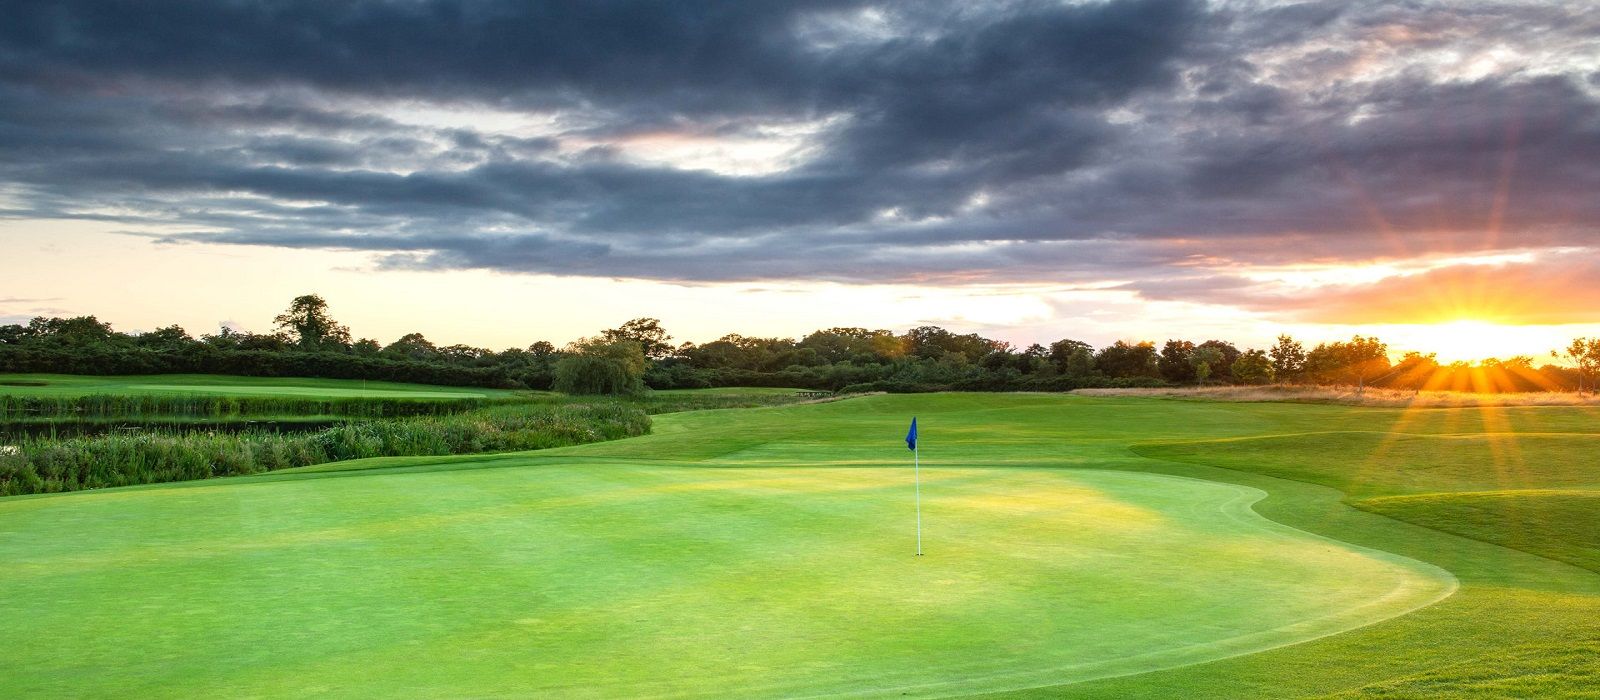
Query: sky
(496, 173)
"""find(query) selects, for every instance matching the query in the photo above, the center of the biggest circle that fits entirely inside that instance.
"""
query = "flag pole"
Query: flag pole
(916, 471)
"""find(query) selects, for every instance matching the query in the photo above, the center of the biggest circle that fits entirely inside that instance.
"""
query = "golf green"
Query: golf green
(761, 552)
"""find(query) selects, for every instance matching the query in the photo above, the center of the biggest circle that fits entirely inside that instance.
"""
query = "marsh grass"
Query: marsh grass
(199, 405)
(43, 465)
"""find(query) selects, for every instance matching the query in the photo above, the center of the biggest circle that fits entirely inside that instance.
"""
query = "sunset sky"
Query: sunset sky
(496, 173)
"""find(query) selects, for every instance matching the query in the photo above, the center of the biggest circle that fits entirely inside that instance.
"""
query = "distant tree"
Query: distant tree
(169, 339)
(1063, 349)
(1033, 360)
(1079, 364)
(464, 354)
(412, 346)
(1288, 359)
(1253, 367)
(308, 324)
(647, 333)
(935, 343)
(226, 338)
(1177, 363)
(1126, 360)
(536, 369)
(267, 342)
(1205, 359)
(1518, 362)
(76, 331)
(1228, 354)
(1358, 361)
(1415, 371)
(1585, 355)
(601, 366)
(366, 346)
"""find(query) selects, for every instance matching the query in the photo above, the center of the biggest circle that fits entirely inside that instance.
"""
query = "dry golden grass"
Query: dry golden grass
(1347, 395)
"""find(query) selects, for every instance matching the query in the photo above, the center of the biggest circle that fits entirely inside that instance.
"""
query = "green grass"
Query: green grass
(66, 385)
(1089, 547)
(1563, 525)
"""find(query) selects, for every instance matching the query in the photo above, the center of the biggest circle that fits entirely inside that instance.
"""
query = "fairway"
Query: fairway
(754, 552)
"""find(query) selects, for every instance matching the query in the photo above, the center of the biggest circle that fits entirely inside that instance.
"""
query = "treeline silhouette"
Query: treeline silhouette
(308, 343)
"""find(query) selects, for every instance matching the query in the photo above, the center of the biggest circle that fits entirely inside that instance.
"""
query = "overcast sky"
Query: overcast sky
(501, 172)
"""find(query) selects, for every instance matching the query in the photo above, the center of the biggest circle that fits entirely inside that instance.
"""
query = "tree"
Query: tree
(1357, 361)
(1253, 367)
(933, 343)
(647, 333)
(1123, 359)
(1062, 351)
(601, 366)
(1204, 359)
(1585, 354)
(412, 346)
(1288, 359)
(309, 326)
(76, 331)
(1416, 371)
(1176, 363)
(169, 339)
(1228, 354)
(1080, 364)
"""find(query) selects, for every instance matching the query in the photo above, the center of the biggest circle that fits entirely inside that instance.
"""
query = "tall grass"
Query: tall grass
(1350, 396)
(197, 405)
(36, 465)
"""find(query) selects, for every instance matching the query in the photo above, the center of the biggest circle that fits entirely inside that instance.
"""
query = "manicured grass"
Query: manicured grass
(1076, 546)
(170, 384)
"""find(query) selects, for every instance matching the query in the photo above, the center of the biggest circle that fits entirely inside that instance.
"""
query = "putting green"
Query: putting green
(764, 552)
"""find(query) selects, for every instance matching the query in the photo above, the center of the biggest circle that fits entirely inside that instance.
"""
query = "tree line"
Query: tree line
(639, 354)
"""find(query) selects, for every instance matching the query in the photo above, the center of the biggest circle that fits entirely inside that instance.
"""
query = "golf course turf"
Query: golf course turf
(1096, 547)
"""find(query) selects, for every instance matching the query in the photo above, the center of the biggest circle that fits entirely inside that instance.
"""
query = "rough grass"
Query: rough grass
(1563, 525)
(1350, 396)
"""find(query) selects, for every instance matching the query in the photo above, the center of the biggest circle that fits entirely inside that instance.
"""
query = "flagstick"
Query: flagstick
(916, 472)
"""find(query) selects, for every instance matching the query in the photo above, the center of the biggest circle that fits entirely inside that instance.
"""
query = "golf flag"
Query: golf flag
(916, 475)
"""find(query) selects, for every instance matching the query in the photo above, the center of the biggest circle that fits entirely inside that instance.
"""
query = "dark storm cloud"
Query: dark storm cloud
(1130, 140)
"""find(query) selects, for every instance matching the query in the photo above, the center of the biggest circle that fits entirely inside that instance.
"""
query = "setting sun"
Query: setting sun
(1474, 341)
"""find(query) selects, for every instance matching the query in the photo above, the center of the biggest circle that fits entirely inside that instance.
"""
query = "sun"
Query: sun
(1474, 340)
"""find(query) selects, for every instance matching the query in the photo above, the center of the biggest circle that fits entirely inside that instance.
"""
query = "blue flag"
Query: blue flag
(911, 437)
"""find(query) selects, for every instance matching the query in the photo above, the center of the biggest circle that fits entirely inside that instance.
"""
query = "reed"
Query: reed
(197, 405)
(42, 465)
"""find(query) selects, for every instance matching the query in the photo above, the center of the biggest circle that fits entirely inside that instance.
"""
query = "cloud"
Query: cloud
(1167, 144)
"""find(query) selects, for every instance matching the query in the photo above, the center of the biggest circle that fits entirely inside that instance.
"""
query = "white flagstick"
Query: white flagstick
(916, 472)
